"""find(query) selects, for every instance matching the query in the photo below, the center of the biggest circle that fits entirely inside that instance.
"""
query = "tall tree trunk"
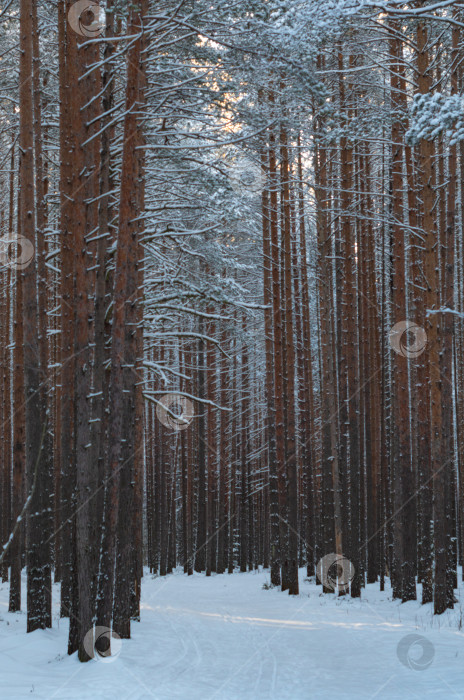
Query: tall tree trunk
(38, 483)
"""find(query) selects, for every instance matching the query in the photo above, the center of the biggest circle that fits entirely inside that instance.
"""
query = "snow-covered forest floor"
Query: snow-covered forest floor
(227, 637)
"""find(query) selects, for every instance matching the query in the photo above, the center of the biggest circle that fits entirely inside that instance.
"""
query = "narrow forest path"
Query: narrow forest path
(225, 638)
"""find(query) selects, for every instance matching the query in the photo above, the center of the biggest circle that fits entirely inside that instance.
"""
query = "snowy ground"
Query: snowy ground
(225, 637)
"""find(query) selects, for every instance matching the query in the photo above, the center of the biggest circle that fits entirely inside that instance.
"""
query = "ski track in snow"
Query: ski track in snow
(225, 638)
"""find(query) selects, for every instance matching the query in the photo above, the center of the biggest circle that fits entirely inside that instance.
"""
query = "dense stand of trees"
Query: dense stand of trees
(232, 300)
